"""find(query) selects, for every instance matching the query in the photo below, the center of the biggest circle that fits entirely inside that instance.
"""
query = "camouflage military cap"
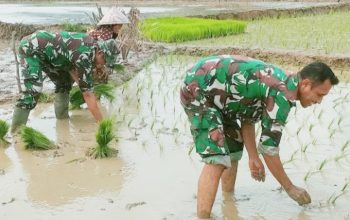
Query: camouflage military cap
(110, 50)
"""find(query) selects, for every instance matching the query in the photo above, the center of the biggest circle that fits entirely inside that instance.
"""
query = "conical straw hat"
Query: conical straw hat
(114, 16)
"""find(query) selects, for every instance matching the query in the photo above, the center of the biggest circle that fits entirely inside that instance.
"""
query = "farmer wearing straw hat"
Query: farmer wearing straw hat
(65, 58)
(224, 96)
(109, 26)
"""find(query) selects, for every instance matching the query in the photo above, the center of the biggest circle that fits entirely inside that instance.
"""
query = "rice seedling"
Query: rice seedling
(104, 135)
(292, 158)
(334, 197)
(74, 27)
(322, 164)
(105, 90)
(180, 29)
(4, 128)
(345, 145)
(76, 98)
(308, 175)
(118, 68)
(46, 97)
(340, 156)
(35, 140)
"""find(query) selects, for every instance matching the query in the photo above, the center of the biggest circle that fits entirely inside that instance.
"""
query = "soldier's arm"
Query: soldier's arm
(91, 101)
(256, 167)
(83, 77)
(272, 126)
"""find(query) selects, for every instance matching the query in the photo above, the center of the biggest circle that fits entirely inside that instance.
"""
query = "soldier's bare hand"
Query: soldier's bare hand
(299, 195)
(257, 169)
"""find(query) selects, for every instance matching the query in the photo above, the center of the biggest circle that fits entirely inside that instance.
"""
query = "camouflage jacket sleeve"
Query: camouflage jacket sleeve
(273, 119)
(281, 91)
(83, 65)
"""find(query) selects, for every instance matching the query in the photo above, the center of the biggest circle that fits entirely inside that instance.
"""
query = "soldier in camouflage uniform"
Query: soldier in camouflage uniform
(224, 96)
(65, 58)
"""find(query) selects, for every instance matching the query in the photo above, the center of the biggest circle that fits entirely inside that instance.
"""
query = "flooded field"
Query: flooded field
(155, 173)
(59, 12)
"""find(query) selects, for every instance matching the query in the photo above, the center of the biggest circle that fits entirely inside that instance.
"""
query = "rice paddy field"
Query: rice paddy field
(318, 34)
(153, 172)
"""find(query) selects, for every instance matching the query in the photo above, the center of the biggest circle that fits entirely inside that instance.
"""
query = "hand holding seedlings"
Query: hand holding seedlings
(299, 195)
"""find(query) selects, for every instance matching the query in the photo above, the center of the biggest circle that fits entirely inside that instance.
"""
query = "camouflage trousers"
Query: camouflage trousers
(217, 137)
(32, 69)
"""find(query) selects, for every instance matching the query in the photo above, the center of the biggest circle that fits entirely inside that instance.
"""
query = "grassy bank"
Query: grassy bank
(321, 34)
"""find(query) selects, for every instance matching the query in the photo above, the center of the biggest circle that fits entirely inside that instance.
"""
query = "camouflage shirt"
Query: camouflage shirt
(243, 89)
(60, 53)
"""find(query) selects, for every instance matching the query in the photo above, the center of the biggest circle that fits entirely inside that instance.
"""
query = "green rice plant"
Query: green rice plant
(345, 145)
(322, 164)
(35, 140)
(180, 29)
(104, 136)
(340, 156)
(46, 97)
(105, 90)
(334, 197)
(4, 128)
(292, 33)
(76, 98)
(119, 68)
(70, 27)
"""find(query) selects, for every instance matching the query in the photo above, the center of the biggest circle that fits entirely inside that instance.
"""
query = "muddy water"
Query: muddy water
(154, 175)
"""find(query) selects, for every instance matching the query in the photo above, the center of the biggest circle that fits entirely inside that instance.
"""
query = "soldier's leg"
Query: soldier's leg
(235, 146)
(61, 105)
(33, 82)
(63, 84)
(207, 131)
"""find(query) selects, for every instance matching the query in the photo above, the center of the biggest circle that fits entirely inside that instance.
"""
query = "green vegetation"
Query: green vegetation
(76, 97)
(70, 27)
(307, 33)
(105, 90)
(180, 29)
(35, 140)
(104, 136)
(118, 68)
(46, 97)
(4, 128)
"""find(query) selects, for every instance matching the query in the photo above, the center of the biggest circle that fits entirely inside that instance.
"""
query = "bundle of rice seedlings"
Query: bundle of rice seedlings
(76, 97)
(118, 67)
(4, 128)
(105, 90)
(35, 140)
(104, 136)
(46, 97)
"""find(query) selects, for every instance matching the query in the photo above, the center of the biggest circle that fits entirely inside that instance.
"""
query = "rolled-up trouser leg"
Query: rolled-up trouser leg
(61, 105)
(20, 117)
